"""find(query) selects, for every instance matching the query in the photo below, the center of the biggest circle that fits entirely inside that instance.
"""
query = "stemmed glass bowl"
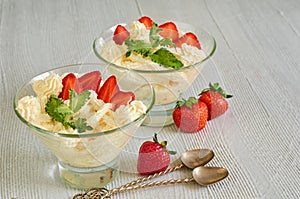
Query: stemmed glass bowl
(169, 84)
(90, 159)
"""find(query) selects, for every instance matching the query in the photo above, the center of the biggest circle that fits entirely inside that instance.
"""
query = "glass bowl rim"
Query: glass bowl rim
(78, 135)
(210, 54)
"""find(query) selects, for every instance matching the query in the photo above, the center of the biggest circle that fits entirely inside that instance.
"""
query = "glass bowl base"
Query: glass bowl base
(84, 178)
(160, 116)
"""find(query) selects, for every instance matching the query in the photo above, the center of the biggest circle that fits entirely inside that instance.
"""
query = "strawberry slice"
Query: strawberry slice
(120, 34)
(108, 89)
(90, 81)
(122, 98)
(188, 38)
(70, 81)
(169, 30)
(147, 21)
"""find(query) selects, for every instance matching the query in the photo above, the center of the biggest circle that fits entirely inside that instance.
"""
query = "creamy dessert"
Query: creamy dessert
(163, 53)
(82, 104)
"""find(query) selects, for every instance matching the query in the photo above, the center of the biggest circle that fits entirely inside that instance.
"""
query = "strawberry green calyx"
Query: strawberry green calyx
(189, 102)
(216, 88)
(163, 144)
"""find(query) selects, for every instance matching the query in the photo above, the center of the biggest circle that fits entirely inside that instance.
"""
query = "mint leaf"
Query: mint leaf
(167, 42)
(56, 108)
(77, 101)
(137, 46)
(80, 124)
(161, 56)
(62, 113)
(153, 35)
(166, 58)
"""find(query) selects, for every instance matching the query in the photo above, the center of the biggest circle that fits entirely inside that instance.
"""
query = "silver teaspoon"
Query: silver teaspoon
(204, 176)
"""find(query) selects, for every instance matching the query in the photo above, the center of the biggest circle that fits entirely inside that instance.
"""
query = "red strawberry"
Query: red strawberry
(188, 38)
(214, 98)
(190, 115)
(122, 98)
(90, 81)
(120, 34)
(147, 21)
(153, 157)
(108, 89)
(169, 30)
(70, 81)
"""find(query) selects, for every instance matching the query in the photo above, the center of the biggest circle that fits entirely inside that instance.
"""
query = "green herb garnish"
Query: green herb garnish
(166, 58)
(161, 56)
(62, 113)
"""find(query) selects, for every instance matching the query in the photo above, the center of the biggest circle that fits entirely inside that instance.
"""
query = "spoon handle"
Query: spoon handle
(103, 193)
(149, 177)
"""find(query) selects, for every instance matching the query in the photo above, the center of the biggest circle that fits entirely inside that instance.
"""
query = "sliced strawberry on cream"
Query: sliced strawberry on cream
(120, 34)
(169, 30)
(108, 89)
(147, 21)
(90, 81)
(122, 98)
(188, 38)
(70, 81)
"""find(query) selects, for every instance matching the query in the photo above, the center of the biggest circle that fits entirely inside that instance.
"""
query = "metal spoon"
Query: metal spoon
(202, 175)
(197, 157)
(209, 175)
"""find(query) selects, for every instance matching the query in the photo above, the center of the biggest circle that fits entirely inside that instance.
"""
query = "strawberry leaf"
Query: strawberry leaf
(171, 152)
(216, 88)
(163, 144)
(189, 102)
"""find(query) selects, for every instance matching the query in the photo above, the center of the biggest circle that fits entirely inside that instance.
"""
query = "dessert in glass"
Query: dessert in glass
(170, 55)
(85, 115)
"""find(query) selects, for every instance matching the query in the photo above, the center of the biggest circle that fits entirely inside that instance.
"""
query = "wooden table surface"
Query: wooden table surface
(257, 60)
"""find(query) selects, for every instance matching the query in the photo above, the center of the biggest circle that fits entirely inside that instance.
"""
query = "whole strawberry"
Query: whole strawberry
(214, 98)
(190, 115)
(153, 157)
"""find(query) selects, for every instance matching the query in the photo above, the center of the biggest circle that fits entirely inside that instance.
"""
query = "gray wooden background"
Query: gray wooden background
(257, 60)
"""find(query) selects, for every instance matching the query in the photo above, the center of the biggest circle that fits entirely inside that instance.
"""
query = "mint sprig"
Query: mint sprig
(60, 112)
(165, 58)
(161, 56)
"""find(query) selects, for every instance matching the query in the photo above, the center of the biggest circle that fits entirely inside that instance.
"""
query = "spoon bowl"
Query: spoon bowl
(197, 157)
(209, 175)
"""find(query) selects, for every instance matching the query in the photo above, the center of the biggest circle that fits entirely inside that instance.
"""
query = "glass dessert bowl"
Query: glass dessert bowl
(169, 82)
(88, 149)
